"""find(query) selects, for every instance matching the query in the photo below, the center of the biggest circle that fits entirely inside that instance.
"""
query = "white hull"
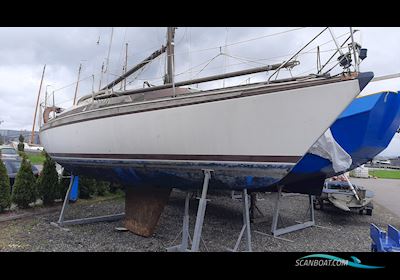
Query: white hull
(259, 130)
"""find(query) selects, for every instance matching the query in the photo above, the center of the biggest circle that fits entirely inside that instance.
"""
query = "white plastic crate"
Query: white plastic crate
(360, 172)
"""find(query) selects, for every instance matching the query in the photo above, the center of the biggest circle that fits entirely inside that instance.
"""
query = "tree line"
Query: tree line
(48, 186)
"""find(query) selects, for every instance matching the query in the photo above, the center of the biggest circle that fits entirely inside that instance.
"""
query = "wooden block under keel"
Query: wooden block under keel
(143, 208)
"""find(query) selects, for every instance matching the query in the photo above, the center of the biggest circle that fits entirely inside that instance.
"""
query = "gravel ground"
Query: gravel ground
(223, 222)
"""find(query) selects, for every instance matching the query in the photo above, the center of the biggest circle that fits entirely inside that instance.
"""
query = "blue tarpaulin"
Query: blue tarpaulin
(73, 195)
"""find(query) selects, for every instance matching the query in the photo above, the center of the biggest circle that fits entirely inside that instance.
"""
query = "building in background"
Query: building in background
(8, 135)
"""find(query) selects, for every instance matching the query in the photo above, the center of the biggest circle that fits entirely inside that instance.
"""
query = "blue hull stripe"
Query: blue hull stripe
(183, 175)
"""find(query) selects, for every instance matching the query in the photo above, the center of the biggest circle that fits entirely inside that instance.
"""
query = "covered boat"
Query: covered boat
(360, 133)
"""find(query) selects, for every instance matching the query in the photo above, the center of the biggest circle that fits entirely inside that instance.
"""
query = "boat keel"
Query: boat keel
(143, 208)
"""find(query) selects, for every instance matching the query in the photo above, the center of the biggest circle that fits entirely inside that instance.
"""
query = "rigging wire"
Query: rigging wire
(226, 55)
(304, 72)
(142, 70)
(183, 37)
(160, 79)
(71, 84)
(295, 56)
(244, 61)
(207, 64)
(190, 70)
(254, 60)
(244, 41)
(189, 52)
(247, 40)
(213, 68)
(234, 43)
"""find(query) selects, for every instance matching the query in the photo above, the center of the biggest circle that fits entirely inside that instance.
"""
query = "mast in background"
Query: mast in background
(77, 83)
(37, 104)
(169, 76)
(123, 83)
(126, 63)
(101, 75)
(108, 55)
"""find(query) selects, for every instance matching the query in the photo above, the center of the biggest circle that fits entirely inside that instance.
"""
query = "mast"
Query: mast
(109, 51)
(169, 76)
(101, 74)
(37, 104)
(45, 97)
(77, 83)
(126, 63)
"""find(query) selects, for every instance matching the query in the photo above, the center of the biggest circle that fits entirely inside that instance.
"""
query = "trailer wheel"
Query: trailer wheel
(318, 204)
(368, 212)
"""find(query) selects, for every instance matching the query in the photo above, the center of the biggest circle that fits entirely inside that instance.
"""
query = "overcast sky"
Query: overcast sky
(24, 51)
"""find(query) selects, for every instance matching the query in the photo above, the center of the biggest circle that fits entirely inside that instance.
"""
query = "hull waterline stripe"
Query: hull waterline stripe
(240, 158)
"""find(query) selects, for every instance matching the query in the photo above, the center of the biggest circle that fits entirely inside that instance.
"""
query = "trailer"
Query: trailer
(345, 196)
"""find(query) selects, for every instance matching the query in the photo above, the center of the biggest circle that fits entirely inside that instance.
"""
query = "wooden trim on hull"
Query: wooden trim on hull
(237, 158)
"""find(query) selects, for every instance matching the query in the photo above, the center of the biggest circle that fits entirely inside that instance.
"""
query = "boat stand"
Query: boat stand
(61, 222)
(246, 224)
(235, 196)
(276, 232)
(186, 238)
(184, 246)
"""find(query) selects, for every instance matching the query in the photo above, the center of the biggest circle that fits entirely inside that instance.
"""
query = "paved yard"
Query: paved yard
(387, 192)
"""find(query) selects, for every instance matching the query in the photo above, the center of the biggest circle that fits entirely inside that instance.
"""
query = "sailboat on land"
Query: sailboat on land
(165, 136)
